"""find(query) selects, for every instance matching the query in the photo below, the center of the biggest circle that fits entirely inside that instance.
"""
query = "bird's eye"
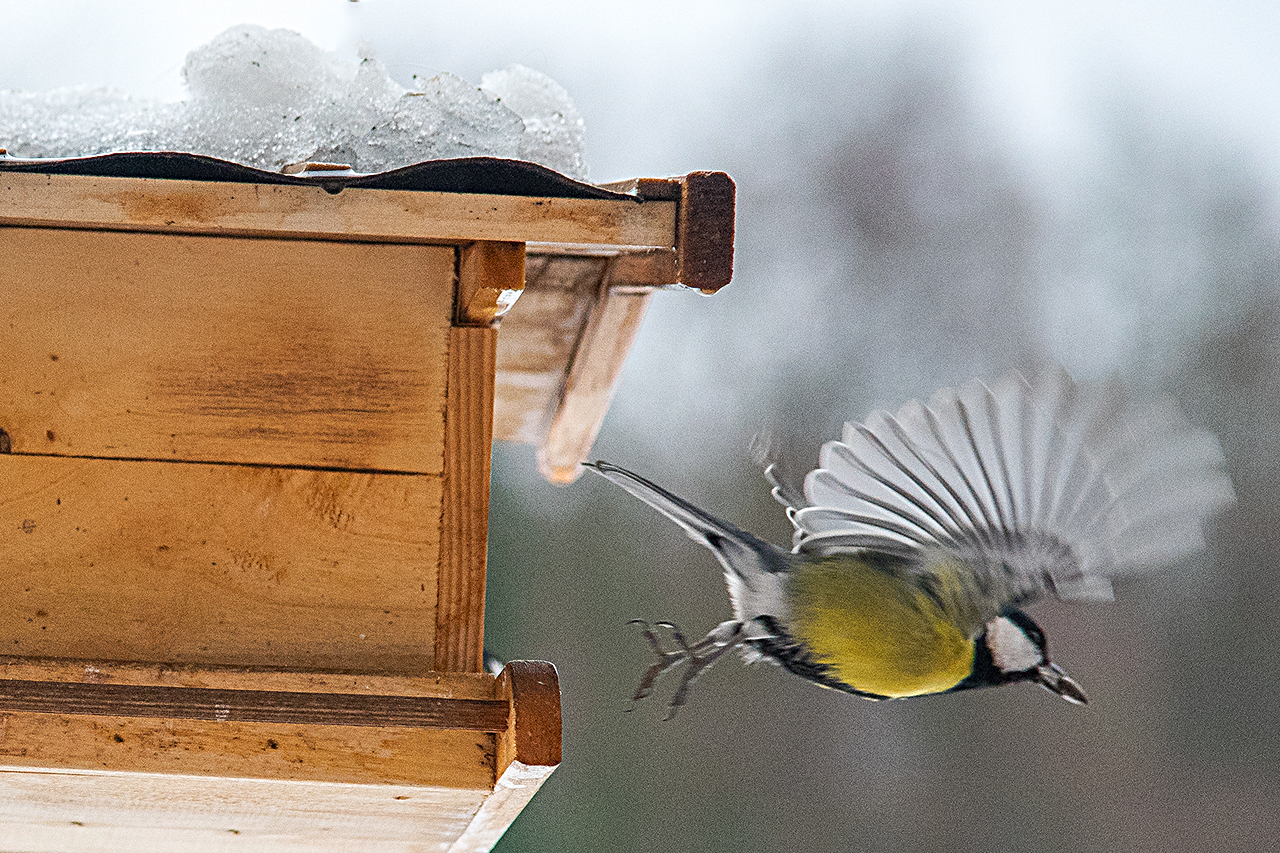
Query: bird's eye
(1027, 625)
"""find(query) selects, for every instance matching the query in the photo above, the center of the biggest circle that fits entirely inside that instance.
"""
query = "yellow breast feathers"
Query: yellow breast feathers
(877, 633)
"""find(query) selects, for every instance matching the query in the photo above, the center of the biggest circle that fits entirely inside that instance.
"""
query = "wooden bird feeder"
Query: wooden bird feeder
(245, 429)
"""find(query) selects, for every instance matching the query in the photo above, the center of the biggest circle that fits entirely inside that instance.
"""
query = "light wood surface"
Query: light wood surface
(218, 564)
(202, 207)
(538, 339)
(563, 346)
(602, 350)
(490, 279)
(464, 521)
(513, 791)
(63, 811)
(277, 352)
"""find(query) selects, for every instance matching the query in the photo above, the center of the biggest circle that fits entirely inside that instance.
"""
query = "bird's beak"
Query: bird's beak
(1051, 677)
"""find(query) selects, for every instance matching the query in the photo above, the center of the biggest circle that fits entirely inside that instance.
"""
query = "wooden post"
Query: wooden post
(488, 276)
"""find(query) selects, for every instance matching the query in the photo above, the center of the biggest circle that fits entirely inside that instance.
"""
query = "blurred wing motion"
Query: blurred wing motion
(999, 494)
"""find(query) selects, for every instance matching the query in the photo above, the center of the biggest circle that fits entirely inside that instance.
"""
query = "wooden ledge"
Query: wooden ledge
(85, 766)
(228, 722)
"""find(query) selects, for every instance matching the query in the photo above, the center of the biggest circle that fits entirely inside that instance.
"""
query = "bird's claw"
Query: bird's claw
(698, 657)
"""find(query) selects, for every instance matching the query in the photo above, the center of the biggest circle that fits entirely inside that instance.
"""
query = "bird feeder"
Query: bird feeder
(246, 421)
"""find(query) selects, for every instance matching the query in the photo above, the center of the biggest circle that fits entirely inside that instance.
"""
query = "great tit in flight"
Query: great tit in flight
(922, 535)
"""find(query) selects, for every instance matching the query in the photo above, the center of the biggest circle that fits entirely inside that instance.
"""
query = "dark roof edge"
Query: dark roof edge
(484, 175)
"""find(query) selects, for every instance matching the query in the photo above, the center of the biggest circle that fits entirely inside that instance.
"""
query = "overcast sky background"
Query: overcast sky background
(928, 191)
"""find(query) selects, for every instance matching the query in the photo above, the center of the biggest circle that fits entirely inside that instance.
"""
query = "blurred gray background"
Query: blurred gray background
(927, 192)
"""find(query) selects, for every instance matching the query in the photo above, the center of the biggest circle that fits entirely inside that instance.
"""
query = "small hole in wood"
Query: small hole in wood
(6, 444)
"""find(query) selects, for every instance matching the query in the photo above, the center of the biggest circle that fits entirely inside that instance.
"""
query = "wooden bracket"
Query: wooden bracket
(611, 327)
(490, 279)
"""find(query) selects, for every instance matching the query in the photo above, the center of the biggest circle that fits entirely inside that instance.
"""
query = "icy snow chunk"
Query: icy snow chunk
(552, 126)
(82, 119)
(259, 68)
(448, 118)
(270, 98)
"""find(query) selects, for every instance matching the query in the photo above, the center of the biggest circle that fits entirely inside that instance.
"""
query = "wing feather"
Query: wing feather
(1035, 487)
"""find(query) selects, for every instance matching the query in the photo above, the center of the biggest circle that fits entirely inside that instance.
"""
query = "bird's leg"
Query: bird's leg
(666, 661)
(698, 656)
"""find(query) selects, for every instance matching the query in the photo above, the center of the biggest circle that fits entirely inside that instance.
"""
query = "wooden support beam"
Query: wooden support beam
(602, 349)
(468, 450)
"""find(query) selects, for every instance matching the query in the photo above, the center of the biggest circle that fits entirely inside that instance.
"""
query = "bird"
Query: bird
(922, 536)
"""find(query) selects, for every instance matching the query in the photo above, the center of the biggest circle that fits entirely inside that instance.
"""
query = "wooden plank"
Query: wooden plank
(205, 207)
(597, 362)
(397, 755)
(448, 685)
(252, 706)
(468, 448)
(537, 342)
(272, 777)
(490, 279)
(218, 564)
(82, 811)
(121, 345)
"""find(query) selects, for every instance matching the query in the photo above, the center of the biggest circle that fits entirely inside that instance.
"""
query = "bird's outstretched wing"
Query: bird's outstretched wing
(997, 494)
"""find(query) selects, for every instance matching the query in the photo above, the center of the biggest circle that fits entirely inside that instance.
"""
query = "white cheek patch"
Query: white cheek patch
(1011, 649)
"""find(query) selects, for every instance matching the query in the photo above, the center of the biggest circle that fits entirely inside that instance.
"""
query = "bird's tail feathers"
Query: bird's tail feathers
(739, 551)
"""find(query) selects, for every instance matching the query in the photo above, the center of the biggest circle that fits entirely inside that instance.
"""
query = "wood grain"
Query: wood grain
(206, 207)
(252, 706)
(490, 279)
(218, 564)
(75, 811)
(538, 339)
(468, 448)
(513, 791)
(259, 351)
(260, 750)
(597, 362)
